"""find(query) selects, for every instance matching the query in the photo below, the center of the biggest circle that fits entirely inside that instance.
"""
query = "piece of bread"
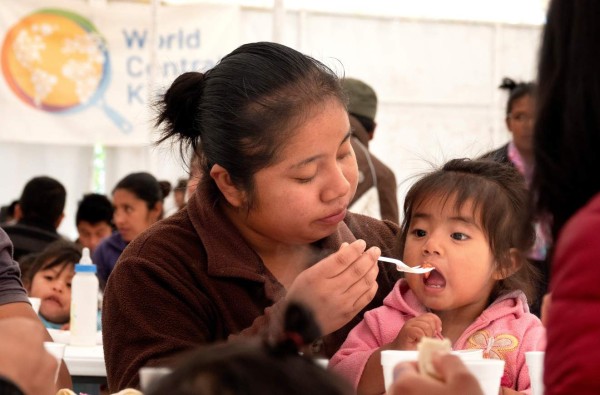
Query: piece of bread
(426, 347)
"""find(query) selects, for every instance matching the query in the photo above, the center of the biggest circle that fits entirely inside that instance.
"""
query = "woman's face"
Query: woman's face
(53, 287)
(520, 123)
(304, 196)
(131, 215)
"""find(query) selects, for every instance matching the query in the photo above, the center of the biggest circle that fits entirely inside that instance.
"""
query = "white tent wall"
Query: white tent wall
(436, 81)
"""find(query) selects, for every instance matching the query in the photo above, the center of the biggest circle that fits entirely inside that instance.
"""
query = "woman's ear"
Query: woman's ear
(232, 193)
(515, 265)
(157, 211)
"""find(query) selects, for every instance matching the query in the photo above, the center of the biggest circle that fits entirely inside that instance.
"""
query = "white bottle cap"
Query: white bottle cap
(85, 264)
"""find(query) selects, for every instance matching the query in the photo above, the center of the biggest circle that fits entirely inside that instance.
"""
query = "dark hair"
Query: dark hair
(58, 253)
(516, 90)
(500, 201)
(367, 123)
(239, 113)
(253, 366)
(43, 200)
(94, 208)
(144, 186)
(567, 128)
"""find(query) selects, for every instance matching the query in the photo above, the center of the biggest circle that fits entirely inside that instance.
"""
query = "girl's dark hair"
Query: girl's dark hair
(500, 202)
(144, 186)
(239, 113)
(567, 127)
(57, 253)
(256, 367)
(516, 90)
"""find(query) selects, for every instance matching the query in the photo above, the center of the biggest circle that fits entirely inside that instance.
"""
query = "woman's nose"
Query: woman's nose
(337, 185)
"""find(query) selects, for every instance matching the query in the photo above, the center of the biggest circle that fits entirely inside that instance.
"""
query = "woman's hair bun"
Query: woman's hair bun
(508, 84)
(165, 188)
(178, 106)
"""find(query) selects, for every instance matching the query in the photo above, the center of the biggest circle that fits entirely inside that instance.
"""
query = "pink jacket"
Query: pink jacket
(505, 330)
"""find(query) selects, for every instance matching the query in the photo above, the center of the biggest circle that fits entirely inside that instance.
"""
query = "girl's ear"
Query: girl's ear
(503, 273)
(230, 191)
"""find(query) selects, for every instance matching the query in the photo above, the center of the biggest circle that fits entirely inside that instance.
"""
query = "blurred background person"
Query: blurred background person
(138, 203)
(7, 214)
(93, 220)
(376, 192)
(40, 209)
(259, 366)
(518, 152)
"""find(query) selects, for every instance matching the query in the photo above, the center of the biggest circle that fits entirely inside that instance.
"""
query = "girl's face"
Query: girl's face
(456, 246)
(53, 287)
(520, 123)
(131, 215)
(304, 196)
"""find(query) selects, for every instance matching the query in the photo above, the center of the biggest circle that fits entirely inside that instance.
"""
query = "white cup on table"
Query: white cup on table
(390, 358)
(57, 350)
(488, 373)
(35, 304)
(535, 364)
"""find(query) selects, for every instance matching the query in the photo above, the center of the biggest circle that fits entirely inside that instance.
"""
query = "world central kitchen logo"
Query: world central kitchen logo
(56, 61)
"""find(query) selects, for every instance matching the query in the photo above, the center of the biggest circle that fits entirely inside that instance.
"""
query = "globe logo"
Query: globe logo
(56, 61)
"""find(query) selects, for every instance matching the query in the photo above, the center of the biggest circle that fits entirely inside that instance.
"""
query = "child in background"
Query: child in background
(256, 366)
(93, 220)
(49, 278)
(470, 221)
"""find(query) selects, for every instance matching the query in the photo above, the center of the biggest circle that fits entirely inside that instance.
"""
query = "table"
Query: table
(87, 369)
(85, 364)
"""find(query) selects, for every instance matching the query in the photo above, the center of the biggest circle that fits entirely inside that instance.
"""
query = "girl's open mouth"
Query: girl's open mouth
(434, 279)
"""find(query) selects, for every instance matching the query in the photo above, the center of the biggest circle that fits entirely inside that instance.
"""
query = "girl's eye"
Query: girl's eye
(48, 278)
(68, 285)
(419, 232)
(459, 236)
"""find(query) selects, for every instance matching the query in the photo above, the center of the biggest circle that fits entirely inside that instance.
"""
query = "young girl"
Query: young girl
(49, 278)
(469, 221)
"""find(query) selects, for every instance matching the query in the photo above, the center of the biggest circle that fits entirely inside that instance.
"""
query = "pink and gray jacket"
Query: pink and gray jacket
(505, 330)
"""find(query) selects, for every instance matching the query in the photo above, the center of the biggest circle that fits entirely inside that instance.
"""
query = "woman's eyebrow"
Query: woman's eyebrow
(313, 158)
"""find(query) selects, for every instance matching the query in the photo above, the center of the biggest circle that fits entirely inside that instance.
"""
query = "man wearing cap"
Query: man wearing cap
(376, 192)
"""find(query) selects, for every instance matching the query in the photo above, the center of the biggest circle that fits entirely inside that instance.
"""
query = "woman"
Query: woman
(138, 203)
(518, 152)
(268, 222)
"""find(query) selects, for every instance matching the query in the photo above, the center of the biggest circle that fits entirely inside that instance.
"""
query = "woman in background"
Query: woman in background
(518, 152)
(138, 203)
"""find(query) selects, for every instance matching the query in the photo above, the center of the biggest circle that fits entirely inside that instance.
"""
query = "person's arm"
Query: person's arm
(371, 381)
(13, 299)
(455, 379)
(24, 310)
(336, 289)
(23, 360)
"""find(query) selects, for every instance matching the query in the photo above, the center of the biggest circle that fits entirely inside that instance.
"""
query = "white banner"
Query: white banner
(79, 74)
